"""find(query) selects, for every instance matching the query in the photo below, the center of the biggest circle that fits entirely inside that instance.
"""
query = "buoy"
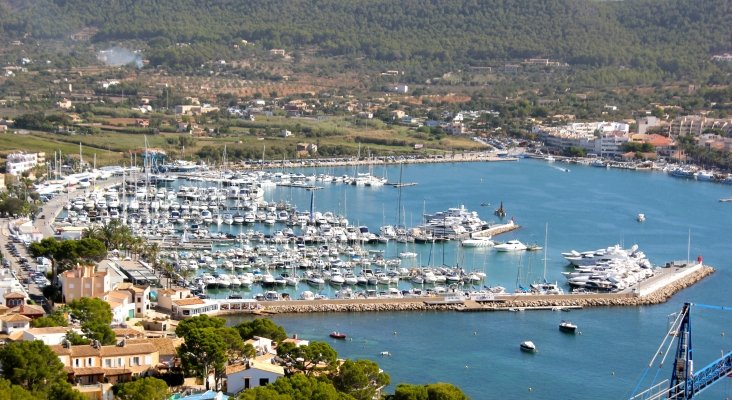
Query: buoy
(612, 373)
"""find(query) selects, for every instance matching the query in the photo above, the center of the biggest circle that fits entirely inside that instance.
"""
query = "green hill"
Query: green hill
(674, 37)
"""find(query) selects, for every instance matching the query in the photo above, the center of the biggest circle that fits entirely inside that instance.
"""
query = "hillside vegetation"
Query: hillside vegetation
(669, 38)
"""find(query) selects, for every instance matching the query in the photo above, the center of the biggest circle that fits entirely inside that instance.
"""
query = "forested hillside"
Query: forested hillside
(673, 36)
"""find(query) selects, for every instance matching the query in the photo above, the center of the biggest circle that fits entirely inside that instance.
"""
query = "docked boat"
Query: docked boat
(567, 327)
(477, 242)
(528, 346)
(338, 335)
(511, 245)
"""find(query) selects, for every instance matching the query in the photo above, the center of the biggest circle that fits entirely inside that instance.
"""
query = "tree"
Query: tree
(306, 359)
(9, 391)
(433, 391)
(31, 365)
(234, 343)
(188, 325)
(204, 351)
(56, 318)
(361, 379)
(95, 315)
(143, 389)
(296, 387)
(262, 327)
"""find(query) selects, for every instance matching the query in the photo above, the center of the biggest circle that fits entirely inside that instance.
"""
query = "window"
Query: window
(89, 362)
(263, 381)
(135, 361)
(108, 363)
(76, 362)
(120, 363)
(246, 383)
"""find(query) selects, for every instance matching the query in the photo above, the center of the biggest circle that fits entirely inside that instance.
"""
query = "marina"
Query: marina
(597, 218)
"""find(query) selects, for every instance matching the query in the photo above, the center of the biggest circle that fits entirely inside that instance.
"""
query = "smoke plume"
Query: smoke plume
(117, 56)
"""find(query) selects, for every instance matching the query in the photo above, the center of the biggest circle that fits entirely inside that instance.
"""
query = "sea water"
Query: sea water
(584, 208)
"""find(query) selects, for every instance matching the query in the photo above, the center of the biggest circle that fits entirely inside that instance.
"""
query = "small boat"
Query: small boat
(528, 346)
(641, 217)
(338, 335)
(726, 200)
(568, 327)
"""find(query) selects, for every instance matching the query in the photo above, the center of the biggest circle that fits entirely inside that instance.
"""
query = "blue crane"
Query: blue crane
(685, 383)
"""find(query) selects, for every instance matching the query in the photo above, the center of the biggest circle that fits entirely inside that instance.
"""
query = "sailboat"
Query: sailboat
(545, 287)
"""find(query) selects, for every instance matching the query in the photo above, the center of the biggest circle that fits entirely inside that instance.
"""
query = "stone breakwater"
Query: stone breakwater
(502, 302)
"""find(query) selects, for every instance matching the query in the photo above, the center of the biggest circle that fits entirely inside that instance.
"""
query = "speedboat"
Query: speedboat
(338, 335)
(527, 346)
(511, 245)
(568, 327)
(641, 217)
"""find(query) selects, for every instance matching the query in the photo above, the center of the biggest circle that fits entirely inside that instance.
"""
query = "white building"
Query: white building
(9, 283)
(50, 336)
(17, 163)
(252, 374)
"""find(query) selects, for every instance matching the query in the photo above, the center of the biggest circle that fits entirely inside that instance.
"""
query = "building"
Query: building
(696, 125)
(8, 284)
(17, 163)
(50, 336)
(251, 374)
(166, 297)
(139, 296)
(84, 281)
(192, 307)
(610, 144)
(10, 323)
(92, 364)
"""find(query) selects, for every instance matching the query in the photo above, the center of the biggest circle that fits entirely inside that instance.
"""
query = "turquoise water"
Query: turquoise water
(586, 208)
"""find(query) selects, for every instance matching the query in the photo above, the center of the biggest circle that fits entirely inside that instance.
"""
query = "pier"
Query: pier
(656, 290)
(496, 230)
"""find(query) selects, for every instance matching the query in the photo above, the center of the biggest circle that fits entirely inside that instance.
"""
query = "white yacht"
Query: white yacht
(511, 245)
(477, 242)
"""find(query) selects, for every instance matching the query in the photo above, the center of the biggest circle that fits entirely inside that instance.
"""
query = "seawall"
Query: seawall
(506, 302)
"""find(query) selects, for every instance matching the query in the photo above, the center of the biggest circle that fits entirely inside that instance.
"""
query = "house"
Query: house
(29, 311)
(84, 281)
(297, 341)
(398, 115)
(10, 323)
(140, 297)
(167, 349)
(121, 304)
(251, 374)
(166, 296)
(277, 52)
(262, 346)
(285, 133)
(50, 336)
(92, 364)
(65, 104)
(193, 306)
(17, 163)
(15, 299)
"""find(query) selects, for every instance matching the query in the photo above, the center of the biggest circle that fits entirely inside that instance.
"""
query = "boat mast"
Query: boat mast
(546, 234)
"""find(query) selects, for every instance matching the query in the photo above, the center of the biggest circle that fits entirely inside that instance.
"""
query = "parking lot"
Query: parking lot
(16, 257)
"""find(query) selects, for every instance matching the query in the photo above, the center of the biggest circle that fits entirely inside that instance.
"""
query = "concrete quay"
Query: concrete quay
(666, 283)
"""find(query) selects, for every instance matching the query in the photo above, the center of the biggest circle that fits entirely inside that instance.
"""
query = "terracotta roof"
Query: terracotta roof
(232, 369)
(127, 332)
(14, 295)
(16, 336)
(48, 330)
(88, 371)
(269, 367)
(15, 318)
(105, 351)
(188, 302)
(27, 309)
(165, 346)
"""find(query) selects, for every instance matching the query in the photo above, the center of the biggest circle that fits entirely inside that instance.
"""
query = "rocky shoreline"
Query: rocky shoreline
(505, 302)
